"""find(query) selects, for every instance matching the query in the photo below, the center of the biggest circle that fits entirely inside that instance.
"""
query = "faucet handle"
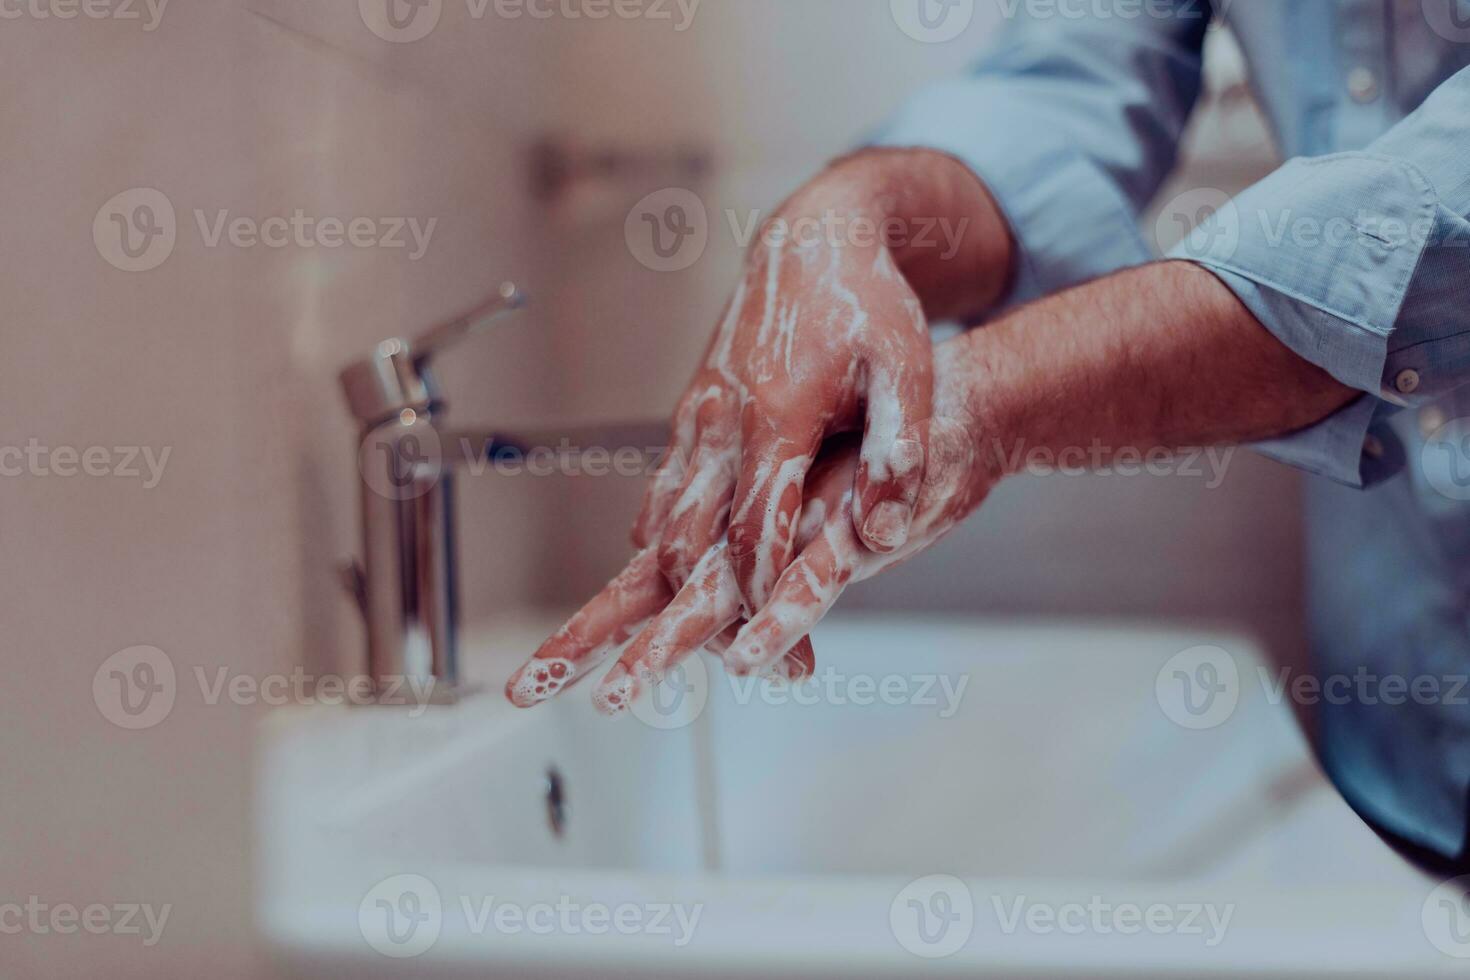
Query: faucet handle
(506, 300)
(395, 376)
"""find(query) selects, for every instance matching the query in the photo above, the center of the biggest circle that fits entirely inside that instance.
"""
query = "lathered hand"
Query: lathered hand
(829, 555)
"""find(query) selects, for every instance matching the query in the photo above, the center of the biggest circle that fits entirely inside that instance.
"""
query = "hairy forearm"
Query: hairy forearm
(1162, 356)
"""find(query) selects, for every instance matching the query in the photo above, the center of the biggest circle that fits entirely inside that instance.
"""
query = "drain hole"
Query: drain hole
(556, 802)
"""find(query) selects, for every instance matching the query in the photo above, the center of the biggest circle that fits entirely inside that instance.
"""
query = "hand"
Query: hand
(671, 626)
(825, 334)
(820, 337)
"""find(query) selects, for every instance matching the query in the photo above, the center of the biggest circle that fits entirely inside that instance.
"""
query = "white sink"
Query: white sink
(1075, 826)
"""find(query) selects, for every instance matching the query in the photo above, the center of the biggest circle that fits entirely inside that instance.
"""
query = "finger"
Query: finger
(612, 616)
(774, 461)
(704, 607)
(797, 665)
(803, 595)
(899, 398)
(669, 477)
(697, 520)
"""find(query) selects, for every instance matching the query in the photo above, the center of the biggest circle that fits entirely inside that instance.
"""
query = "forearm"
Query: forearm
(1162, 356)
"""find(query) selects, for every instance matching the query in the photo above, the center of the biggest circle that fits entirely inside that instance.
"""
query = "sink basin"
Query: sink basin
(948, 795)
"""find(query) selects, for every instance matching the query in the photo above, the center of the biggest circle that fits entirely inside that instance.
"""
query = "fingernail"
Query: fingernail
(742, 658)
(616, 692)
(538, 680)
(887, 526)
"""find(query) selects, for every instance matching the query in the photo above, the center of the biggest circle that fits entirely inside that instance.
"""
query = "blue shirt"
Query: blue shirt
(1356, 254)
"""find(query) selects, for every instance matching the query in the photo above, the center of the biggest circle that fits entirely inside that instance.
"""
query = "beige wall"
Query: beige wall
(226, 357)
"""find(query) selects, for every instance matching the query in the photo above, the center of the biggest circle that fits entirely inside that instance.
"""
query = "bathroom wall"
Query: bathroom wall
(222, 354)
(224, 357)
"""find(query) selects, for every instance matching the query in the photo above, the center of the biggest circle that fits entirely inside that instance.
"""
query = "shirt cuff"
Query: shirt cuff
(1070, 222)
(1327, 275)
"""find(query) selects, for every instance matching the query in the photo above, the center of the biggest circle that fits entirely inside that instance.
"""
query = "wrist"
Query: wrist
(941, 225)
(977, 386)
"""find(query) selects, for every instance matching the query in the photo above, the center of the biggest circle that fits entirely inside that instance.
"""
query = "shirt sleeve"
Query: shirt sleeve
(1073, 124)
(1360, 263)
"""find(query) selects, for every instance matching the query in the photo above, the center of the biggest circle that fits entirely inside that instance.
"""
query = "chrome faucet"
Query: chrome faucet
(406, 582)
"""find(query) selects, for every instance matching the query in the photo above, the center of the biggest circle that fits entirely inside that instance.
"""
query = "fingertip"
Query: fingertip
(616, 692)
(540, 679)
(885, 529)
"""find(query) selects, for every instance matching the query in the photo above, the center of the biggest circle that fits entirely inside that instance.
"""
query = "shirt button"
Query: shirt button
(1431, 420)
(1373, 447)
(1362, 84)
(1407, 381)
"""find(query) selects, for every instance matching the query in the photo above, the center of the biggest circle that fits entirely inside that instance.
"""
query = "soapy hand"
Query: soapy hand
(670, 626)
(823, 335)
